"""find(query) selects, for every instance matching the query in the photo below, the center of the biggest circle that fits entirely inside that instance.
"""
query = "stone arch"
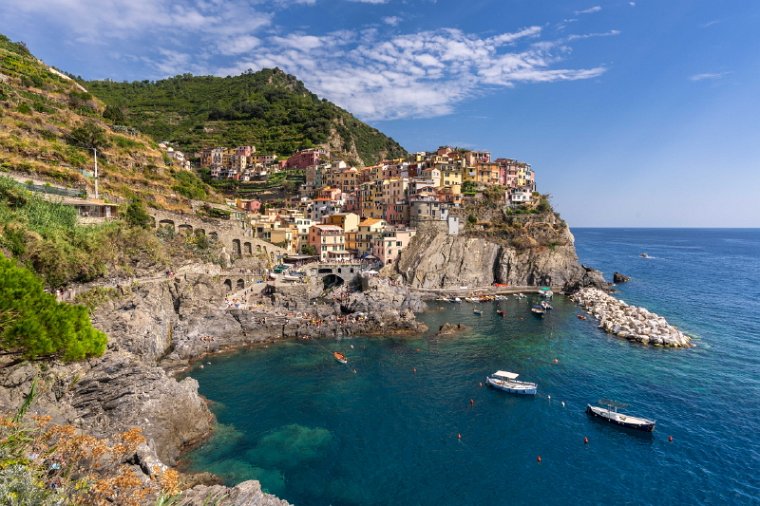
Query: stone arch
(213, 236)
(340, 271)
(166, 224)
(185, 228)
(200, 232)
(258, 248)
(271, 256)
(247, 249)
(332, 281)
(240, 284)
(228, 284)
(236, 251)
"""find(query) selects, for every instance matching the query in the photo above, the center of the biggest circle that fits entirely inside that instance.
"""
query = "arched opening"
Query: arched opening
(185, 229)
(228, 284)
(339, 270)
(271, 256)
(166, 224)
(247, 248)
(213, 236)
(240, 284)
(236, 248)
(332, 281)
(200, 232)
(258, 248)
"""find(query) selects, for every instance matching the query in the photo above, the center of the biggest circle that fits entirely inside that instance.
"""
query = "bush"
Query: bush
(33, 324)
(136, 215)
(189, 185)
(88, 136)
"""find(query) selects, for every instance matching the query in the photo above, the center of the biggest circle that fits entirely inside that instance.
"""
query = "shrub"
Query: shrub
(33, 324)
(89, 136)
(136, 215)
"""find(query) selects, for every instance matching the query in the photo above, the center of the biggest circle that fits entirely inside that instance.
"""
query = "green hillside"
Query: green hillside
(49, 124)
(268, 109)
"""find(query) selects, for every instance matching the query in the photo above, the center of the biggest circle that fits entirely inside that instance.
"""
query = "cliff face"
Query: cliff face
(538, 251)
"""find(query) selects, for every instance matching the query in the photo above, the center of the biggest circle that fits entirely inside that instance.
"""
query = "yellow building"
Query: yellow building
(349, 222)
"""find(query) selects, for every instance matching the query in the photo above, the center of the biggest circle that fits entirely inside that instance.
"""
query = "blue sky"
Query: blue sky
(633, 113)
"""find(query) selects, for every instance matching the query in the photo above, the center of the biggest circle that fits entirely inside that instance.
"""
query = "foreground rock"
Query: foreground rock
(630, 322)
(247, 493)
(620, 278)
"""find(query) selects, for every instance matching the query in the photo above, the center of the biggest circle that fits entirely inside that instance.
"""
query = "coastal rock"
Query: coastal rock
(119, 393)
(620, 278)
(247, 493)
(630, 322)
(434, 260)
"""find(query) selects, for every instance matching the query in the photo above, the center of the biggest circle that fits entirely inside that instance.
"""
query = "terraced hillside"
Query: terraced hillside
(268, 109)
(49, 124)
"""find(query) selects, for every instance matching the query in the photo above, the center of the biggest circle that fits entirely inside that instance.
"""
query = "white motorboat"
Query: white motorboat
(507, 381)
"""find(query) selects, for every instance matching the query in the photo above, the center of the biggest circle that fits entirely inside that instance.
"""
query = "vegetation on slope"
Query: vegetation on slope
(268, 109)
(49, 125)
(42, 464)
(34, 325)
(45, 237)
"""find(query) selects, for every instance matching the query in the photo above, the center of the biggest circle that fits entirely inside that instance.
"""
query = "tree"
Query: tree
(308, 249)
(34, 325)
(136, 215)
(115, 114)
(89, 136)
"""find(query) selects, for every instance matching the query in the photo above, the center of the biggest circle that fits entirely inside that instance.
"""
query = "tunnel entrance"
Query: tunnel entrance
(332, 281)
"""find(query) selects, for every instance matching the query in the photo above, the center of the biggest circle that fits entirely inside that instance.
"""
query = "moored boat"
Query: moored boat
(507, 381)
(546, 305)
(538, 311)
(340, 357)
(477, 312)
(611, 414)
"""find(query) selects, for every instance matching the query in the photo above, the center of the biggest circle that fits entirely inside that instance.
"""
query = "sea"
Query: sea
(408, 421)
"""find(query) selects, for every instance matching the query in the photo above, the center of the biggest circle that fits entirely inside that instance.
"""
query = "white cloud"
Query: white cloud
(368, 71)
(412, 75)
(708, 76)
(106, 20)
(376, 2)
(590, 10)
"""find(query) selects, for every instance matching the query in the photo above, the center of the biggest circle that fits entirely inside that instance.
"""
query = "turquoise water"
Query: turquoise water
(315, 432)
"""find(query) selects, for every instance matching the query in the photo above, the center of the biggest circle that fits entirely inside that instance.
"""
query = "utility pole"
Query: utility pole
(95, 152)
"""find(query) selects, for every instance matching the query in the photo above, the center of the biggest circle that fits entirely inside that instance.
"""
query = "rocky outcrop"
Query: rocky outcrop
(618, 278)
(544, 254)
(247, 493)
(630, 322)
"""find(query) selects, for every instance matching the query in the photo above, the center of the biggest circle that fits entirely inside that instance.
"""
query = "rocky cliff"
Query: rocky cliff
(529, 251)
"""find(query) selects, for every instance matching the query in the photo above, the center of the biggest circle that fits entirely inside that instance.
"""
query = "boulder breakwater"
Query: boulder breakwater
(633, 323)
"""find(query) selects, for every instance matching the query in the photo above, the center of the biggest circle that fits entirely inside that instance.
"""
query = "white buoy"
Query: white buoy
(549, 397)
(563, 404)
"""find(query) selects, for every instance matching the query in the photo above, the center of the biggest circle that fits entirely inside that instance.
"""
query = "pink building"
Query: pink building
(305, 158)
(389, 246)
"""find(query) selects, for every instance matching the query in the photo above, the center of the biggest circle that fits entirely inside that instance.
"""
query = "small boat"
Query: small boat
(546, 305)
(538, 310)
(507, 381)
(477, 312)
(340, 357)
(581, 316)
(547, 294)
(644, 255)
(500, 312)
(457, 299)
(610, 414)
